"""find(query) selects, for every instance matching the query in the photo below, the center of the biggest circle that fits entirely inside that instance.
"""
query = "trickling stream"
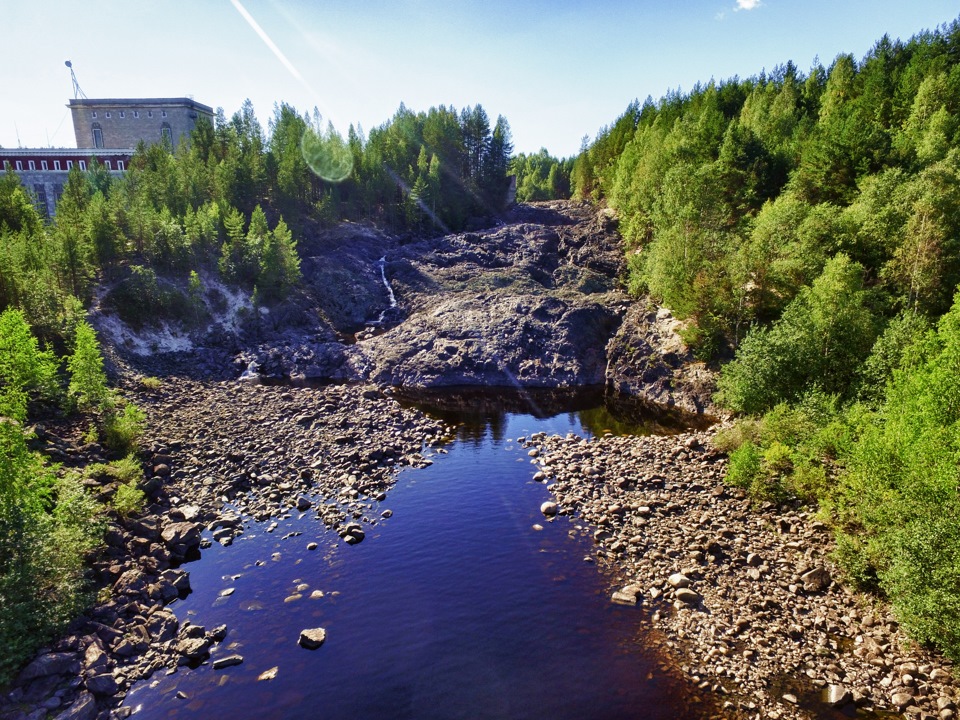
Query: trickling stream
(465, 603)
(382, 264)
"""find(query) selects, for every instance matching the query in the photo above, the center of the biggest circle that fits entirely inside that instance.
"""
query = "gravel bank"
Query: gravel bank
(747, 599)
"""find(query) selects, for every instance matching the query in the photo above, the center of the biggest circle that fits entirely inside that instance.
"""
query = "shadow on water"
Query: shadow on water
(465, 602)
(474, 410)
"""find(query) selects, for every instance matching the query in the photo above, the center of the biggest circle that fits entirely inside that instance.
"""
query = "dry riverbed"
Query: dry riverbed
(747, 599)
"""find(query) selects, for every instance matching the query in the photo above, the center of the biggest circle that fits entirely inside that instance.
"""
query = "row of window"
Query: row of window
(165, 134)
(122, 114)
(32, 165)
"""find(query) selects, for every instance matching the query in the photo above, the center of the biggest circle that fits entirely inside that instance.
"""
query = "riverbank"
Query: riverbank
(748, 600)
(218, 457)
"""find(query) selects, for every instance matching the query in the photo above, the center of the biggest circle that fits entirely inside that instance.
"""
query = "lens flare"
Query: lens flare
(327, 155)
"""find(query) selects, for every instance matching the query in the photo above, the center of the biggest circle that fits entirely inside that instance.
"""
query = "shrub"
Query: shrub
(897, 505)
(124, 428)
(129, 499)
(25, 370)
(151, 383)
(88, 381)
(824, 335)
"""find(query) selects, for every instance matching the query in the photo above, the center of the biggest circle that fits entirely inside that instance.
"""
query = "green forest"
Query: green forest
(230, 203)
(804, 225)
(807, 228)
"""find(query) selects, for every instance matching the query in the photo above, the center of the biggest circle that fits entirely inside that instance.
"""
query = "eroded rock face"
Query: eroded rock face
(647, 358)
(531, 303)
(534, 301)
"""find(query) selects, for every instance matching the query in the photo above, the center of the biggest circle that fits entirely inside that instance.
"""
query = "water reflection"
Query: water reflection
(477, 411)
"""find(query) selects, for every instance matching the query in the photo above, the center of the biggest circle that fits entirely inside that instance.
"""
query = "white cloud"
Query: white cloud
(747, 4)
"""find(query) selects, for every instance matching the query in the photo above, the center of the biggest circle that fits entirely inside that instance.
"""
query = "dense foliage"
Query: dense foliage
(219, 204)
(48, 521)
(541, 176)
(734, 197)
(809, 225)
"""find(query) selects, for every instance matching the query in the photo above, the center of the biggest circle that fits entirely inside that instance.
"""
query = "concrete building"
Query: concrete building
(44, 171)
(122, 123)
(108, 130)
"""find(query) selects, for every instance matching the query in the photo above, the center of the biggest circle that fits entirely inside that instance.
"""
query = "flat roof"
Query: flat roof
(64, 152)
(140, 102)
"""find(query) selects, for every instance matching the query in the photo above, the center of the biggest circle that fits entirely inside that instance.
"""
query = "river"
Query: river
(464, 603)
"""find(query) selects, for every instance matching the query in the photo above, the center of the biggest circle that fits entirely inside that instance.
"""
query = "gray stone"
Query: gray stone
(312, 638)
(549, 508)
(816, 579)
(901, 700)
(628, 595)
(194, 648)
(688, 596)
(304, 503)
(837, 696)
(679, 580)
(228, 661)
(181, 536)
(180, 579)
(51, 664)
(83, 708)
(103, 684)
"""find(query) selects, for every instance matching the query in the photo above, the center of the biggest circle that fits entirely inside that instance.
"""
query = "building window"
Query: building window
(149, 113)
(69, 164)
(94, 114)
(56, 164)
(97, 135)
(136, 114)
(120, 165)
(31, 164)
(6, 164)
(43, 165)
(122, 114)
(19, 165)
(57, 193)
(163, 113)
(166, 135)
(106, 164)
(83, 164)
(107, 115)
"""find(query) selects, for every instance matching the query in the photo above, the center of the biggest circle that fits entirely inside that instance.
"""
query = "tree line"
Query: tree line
(806, 226)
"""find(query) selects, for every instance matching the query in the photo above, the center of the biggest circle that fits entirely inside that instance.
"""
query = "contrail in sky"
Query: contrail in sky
(270, 44)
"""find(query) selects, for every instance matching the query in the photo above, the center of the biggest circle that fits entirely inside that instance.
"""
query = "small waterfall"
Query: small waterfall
(382, 264)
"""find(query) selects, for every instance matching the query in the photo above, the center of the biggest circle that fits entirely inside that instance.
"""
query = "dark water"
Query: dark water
(455, 607)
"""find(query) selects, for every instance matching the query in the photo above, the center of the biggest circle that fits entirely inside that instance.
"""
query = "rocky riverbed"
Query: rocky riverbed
(220, 456)
(748, 600)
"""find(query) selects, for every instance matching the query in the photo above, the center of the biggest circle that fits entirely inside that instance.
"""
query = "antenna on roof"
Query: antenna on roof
(77, 92)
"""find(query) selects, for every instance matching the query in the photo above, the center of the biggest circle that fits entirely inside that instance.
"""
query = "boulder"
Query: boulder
(83, 708)
(228, 661)
(181, 537)
(549, 508)
(688, 596)
(312, 638)
(103, 684)
(51, 664)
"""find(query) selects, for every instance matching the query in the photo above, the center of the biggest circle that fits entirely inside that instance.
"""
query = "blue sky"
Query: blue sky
(556, 70)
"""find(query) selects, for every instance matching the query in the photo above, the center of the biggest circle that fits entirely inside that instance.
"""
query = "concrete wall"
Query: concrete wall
(123, 123)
